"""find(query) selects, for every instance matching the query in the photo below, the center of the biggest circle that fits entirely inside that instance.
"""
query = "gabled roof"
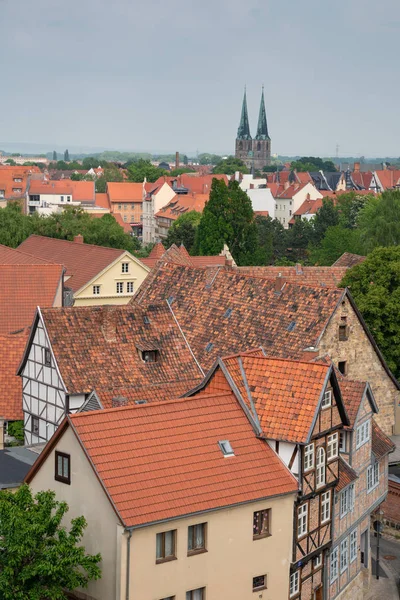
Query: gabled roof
(353, 393)
(7, 183)
(22, 289)
(102, 201)
(388, 178)
(125, 192)
(347, 475)
(313, 276)
(381, 443)
(180, 256)
(349, 260)
(163, 460)
(82, 261)
(12, 256)
(98, 348)
(79, 190)
(181, 204)
(11, 352)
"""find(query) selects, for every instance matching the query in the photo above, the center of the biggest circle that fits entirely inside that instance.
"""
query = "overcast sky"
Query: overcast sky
(164, 75)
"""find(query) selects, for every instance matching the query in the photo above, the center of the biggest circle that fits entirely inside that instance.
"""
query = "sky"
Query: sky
(166, 75)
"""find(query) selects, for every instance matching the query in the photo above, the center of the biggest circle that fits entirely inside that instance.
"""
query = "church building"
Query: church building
(255, 153)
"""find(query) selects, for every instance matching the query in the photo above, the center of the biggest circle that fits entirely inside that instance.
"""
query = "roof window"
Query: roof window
(228, 313)
(209, 346)
(140, 401)
(226, 448)
(146, 320)
(149, 356)
(291, 326)
(170, 300)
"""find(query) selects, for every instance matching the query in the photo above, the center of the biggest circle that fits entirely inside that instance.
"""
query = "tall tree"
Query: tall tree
(185, 160)
(298, 239)
(141, 169)
(336, 241)
(327, 216)
(229, 166)
(15, 227)
(379, 220)
(183, 230)
(39, 557)
(54, 155)
(313, 163)
(66, 156)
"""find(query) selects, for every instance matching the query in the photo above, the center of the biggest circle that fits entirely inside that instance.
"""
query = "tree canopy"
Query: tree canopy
(229, 166)
(183, 230)
(40, 558)
(375, 286)
(141, 169)
(379, 220)
(313, 163)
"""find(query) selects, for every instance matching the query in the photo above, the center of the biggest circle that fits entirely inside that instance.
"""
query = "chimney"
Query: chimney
(109, 315)
(78, 239)
(1, 433)
(279, 283)
(176, 160)
(119, 401)
(356, 167)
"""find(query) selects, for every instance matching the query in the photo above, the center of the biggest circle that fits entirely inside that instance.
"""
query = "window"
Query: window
(327, 399)
(347, 500)
(129, 287)
(226, 448)
(120, 287)
(309, 457)
(334, 565)
(294, 584)
(63, 467)
(169, 598)
(276, 207)
(197, 538)
(302, 518)
(62, 198)
(261, 523)
(344, 555)
(372, 476)
(320, 474)
(2, 192)
(35, 425)
(165, 545)
(125, 267)
(333, 447)
(317, 561)
(259, 583)
(325, 506)
(353, 545)
(96, 290)
(343, 333)
(342, 441)
(342, 366)
(17, 190)
(149, 356)
(125, 218)
(68, 198)
(362, 434)
(47, 357)
(119, 207)
(290, 213)
(198, 594)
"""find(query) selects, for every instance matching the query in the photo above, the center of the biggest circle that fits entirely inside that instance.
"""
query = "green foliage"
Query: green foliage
(336, 241)
(375, 286)
(185, 159)
(39, 558)
(379, 220)
(10, 161)
(16, 429)
(229, 166)
(66, 156)
(77, 177)
(209, 159)
(327, 216)
(270, 169)
(176, 172)
(349, 206)
(144, 169)
(313, 163)
(298, 238)
(111, 173)
(183, 230)
(14, 226)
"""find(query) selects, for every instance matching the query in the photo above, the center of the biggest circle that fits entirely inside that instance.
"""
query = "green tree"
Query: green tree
(54, 155)
(144, 169)
(313, 163)
(209, 159)
(349, 206)
(379, 220)
(66, 156)
(337, 240)
(298, 238)
(183, 230)
(15, 227)
(111, 173)
(375, 286)
(229, 166)
(176, 172)
(185, 160)
(327, 216)
(40, 558)
(77, 177)
(10, 162)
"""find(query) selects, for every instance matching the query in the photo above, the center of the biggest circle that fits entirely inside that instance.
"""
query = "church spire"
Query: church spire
(262, 127)
(244, 129)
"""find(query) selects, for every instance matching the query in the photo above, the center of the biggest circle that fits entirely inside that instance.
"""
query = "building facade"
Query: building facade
(255, 153)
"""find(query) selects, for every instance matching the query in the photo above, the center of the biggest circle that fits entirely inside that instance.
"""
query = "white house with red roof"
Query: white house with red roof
(289, 198)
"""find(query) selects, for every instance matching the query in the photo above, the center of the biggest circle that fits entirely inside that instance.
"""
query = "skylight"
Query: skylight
(228, 313)
(146, 320)
(170, 300)
(291, 326)
(226, 448)
(209, 346)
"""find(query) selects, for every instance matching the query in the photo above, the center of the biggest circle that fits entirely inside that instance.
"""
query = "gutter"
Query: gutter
(128, 561)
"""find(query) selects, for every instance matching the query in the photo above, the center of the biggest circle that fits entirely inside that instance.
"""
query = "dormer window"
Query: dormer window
(327, 399)
(226, 448)
(149, 356)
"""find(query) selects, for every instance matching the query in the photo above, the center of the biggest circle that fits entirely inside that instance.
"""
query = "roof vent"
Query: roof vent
(226, 448)
(140, 401)
(209, 346)
(228, 313)
(291, 326)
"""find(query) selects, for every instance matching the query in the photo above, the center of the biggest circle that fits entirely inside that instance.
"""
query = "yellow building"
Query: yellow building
(94, 275)
(186, 503)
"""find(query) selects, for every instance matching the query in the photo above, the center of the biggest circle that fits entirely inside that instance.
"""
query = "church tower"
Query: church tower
(244, 142)
(254, 153)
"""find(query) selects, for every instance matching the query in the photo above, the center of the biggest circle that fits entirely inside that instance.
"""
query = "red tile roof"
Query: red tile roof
(346, 475)
(381, 443)
(11, 351)
(12, 256)
(173, 447)
(125, 192)
(181, 204)
(7, 183)
(349, 260)
(102, 201)
(199, 184)
(363, 179)
(388, 178)
(313, 276)
(180, 256)
(82, 261)
(352, 394)
(157, 251)
(117, 216)
(79, 190)
(289, 192)
(22, 289)
(92, 343)
(309, 207)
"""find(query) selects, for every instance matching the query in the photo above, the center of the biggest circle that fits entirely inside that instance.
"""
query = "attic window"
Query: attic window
(228, 313)
(47, 357)
(209, 346)
(226, 448)
(140, 401)
(291, 326)
(343, 332)
(146, 320)
(149, 356)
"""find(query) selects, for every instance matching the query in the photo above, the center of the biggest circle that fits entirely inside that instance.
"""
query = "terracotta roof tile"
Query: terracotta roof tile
(173, 447)
(117, 216)
(181, 204)
(381, 443)
(313, 276)
(79, 190)
(14, 189)
(157, 251)
(11, 351)
(125, 192)
(389, 178)
(102, 200)
(349, 260)
(82, 261)
(12, 256)
(22, 289)
(352, 394)
(346, 475)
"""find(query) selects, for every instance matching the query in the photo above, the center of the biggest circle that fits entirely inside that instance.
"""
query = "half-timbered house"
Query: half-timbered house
(298, 409)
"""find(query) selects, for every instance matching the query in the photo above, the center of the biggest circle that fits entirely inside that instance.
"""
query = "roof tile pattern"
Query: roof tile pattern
(98, 348)
(349, 260)
(163, 461)
(313, 276)
(229, 312)
(125, 192)
(11, 351)
(352, 394)
(82, 261)
(381, 443)
(346, 475)
(11, 256)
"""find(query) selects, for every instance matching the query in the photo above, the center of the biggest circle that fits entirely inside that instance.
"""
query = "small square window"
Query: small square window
(68, 198)
(63, 467)
(165, 545)
(327, 399)
(125, 267)
(261, 523)
(47, 357)
(197, 538)
(342, 366)
(226, 448)
(35, 425)
(96, 290)
(149, 356)
(129, 287)
(343, 333)
(342, 441)
(120, 287)
(259, 583)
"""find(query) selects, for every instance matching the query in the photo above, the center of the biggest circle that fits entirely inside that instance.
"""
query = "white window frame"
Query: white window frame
(320, 472)
(353, 545)
(325, 507)
(302, 520)
(309, 457)
(363, 434)
(96, 290)
(125, 267)
(372, 477)
(347, 500)
(342, 441)
(317, 561)
(334, 564)
(333, 446)
(344, 555)
(120, 287)
(130, 287)
(327, 399)
(294, 584)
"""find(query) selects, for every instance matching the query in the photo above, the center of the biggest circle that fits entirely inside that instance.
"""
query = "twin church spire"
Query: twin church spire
(244, 127)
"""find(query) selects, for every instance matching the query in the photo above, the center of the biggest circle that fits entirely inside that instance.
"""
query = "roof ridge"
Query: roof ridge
(278, 358)
(71, 242)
